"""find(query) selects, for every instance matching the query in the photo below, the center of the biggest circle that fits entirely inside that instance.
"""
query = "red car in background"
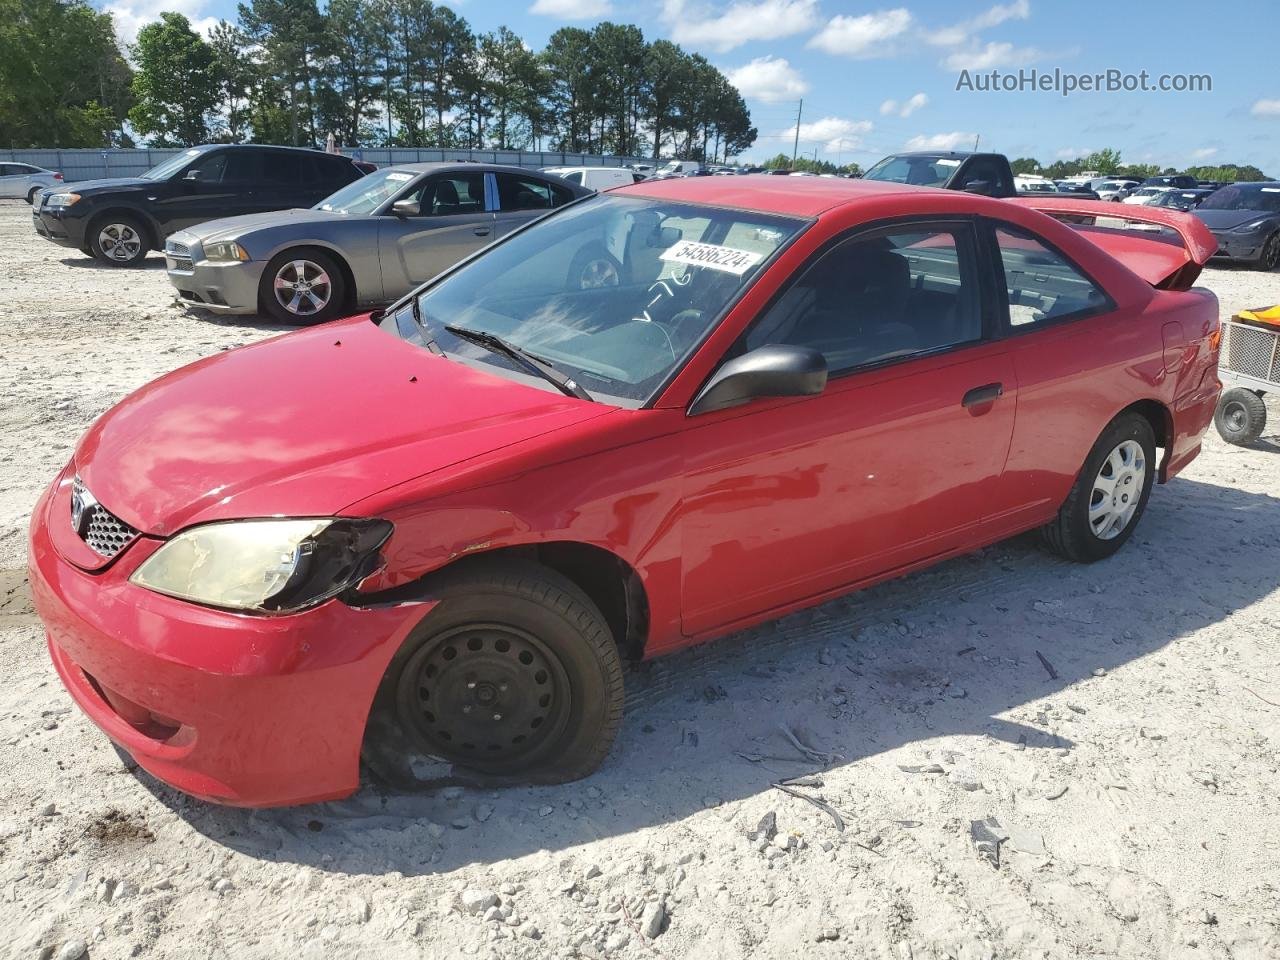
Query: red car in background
(655, 416)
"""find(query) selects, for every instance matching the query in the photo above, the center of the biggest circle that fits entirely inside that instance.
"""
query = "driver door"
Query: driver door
(898, 460)
(454, 222)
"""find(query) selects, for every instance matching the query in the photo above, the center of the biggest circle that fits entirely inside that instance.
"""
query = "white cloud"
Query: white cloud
(130, 16)
(768, 78)
(1073, 153)
(941, 141)
(573, 9)
(1204, 153)
(834, 133)
(990, 56)
(1266, 108)
(904, 109)
(740, 22)
(963, 32)
(864, 36)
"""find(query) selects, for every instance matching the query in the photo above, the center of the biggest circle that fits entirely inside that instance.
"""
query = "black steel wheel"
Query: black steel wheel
(488, 696)
(1241, 416)
(513, 676)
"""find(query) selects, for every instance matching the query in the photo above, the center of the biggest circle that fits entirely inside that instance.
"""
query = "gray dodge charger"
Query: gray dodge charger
(366, 245)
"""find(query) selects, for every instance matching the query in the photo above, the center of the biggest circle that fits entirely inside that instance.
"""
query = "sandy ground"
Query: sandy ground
(1134, 794)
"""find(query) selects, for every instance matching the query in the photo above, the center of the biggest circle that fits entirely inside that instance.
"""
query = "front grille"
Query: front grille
(105, 533)
(180, 263)
(175, 249)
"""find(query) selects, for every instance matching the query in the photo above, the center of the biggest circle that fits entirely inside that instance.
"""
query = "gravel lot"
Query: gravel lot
(1137, 789)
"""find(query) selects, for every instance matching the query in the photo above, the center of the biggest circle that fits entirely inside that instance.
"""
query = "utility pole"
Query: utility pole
(976, 138)
(795, 147)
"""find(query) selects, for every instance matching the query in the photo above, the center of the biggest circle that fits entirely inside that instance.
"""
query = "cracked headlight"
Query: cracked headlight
(272, 566)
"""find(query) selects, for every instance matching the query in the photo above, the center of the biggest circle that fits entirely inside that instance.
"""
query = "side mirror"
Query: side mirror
(193, 175)
(406, 208)
(978, 186)
(774, 370)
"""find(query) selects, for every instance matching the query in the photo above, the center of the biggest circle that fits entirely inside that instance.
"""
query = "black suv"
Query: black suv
(119, 220)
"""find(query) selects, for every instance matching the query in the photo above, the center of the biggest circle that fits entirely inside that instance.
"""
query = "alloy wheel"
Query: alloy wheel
(1271, 252)
(120, 242)
(302, 287)
(485, 695)
(1117, 490)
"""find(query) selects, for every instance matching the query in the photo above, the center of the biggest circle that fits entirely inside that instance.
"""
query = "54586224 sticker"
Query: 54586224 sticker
(712, 256)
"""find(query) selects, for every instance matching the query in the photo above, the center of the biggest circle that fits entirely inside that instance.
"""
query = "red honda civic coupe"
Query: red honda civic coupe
(657, 415)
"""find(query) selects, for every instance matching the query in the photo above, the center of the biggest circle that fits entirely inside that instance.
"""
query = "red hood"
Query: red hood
(303, 425)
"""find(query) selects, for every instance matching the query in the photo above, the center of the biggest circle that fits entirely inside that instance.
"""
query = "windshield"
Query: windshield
(922, 171)
(167, 168)
(1264, 198)
(615, 292)
(368, 193)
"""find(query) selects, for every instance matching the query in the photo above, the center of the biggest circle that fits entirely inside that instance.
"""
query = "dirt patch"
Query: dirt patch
(116, 828)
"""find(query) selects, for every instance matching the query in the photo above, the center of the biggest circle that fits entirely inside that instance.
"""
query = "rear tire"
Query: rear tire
(1241, 416)
(31, 195)
(1110, 493)
(513, 676)
(303, 287)
(118, 240)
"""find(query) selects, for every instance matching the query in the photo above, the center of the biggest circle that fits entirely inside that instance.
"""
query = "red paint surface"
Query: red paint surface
(727, 518)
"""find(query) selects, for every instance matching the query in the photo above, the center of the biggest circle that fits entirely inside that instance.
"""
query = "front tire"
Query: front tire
(1240, 417)
(1269, 259)
(1109, 495)
(514, 676)
(119, 240)
(303, 287)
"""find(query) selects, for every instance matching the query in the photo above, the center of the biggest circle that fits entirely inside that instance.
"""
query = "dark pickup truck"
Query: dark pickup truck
(119, 220)
(986, 173)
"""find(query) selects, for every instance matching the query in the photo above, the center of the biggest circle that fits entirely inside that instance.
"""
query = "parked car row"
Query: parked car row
(636, 421)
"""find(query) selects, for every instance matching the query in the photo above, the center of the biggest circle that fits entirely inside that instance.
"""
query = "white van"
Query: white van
(594, 178)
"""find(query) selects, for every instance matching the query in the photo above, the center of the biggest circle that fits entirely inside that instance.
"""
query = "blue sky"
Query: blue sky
(879, 77)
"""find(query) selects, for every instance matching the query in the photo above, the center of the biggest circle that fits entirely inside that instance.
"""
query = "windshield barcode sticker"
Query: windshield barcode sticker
(726, 259)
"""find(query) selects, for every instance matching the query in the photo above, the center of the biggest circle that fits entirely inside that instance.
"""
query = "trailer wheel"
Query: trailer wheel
(1241, 416)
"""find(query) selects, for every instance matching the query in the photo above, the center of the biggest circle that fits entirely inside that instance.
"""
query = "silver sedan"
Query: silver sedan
(366, 245)
(23, 181)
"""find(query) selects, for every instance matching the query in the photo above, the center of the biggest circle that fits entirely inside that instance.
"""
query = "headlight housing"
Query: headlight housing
(61, 199)
(1252, 225)
(272, 566)
(225, 251)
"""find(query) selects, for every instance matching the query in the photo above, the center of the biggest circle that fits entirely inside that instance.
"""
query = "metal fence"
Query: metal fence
(95, 164)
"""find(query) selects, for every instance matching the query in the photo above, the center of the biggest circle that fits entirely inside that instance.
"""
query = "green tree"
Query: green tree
(63, 81)
(1105, 161)
(235, 79)
(568, 56)
(351, 85)
(176, 86)
(1025, 165)
(289, 36)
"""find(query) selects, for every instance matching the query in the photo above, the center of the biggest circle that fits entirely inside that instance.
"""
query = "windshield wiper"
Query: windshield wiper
(524, 358)
(415, 311)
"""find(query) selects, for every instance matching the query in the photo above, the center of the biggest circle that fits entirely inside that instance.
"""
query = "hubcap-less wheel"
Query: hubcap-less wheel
(303, 288)
(120, 242)
(598, 273)
(486, 695)
(1117, 490)
(1236, 416)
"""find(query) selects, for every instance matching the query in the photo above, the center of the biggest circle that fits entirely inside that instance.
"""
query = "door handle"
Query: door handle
(984, 394)
(481, 231)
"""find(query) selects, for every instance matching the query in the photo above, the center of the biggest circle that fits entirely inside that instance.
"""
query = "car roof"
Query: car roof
(794, 196)
(438, 166)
